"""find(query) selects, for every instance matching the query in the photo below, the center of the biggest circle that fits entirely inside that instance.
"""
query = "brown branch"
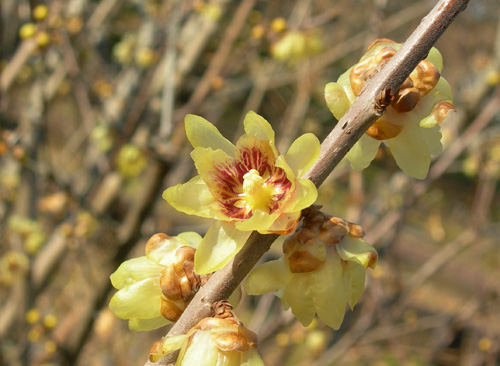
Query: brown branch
(365, 110)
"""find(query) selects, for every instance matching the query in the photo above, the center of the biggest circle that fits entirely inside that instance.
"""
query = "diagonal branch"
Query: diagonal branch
(367, 108)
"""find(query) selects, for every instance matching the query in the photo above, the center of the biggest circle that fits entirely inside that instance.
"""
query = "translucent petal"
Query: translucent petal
(137, 324)
(336, 99)
(201, 351)
(229, 358)
(298, 296)
(259, 127)
(259, 221)
(432, 137)
(171, 344)
(192, 238)
(221, 242)
(268, 277)
(344, 80)
(327, 290)
(354, 282)
(304, 195)
(284, 224)
(302, 154)
(164, 253)
(135, 270)
(193, 197)
(435, 58)
(410, 151)
(281, 162)
(202, 133)
(252, 358)
(139, 300)
(357, 250)
(363, 152)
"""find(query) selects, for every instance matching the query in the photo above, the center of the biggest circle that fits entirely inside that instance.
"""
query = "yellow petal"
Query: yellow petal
(363, 152)
(435, 58)
(302, 154)
(164, 254)
(284, 224)
(327, 290)
(257, 126)
(410, 151)
(200, 351)
(432, 137)
(345, 81)
(354, 282)
(221, 242)
(134, 270)
(298, 296)
(139, 300)
(252, 358)
(202, 133)
(193, 198)
(304, 195)
(137, 324)
(260, 221)
(357, 250)
(268, 277)
(192, 239)
(336, 99)
(171, 344)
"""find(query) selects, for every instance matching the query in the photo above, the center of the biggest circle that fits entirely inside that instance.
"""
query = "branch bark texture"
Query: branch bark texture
(367, 108)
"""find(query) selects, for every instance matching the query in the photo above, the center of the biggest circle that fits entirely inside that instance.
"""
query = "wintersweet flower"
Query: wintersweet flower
(246, 187)
(410, 124)
(155, 289)
(221, 340)
(322, 269)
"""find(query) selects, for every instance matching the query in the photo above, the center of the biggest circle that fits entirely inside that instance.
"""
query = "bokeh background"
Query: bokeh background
(92, 100)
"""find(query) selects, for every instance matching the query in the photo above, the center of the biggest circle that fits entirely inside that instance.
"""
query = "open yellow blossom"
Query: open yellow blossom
(410, 124)
(246, 187)
(221, 340)
(155, 289)
(322, 269)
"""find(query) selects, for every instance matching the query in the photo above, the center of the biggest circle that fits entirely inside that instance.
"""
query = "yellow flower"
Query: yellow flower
(221, 340)
(410, 124)
(295, 46)
(246, 187)
(155, 289)
(322, 269)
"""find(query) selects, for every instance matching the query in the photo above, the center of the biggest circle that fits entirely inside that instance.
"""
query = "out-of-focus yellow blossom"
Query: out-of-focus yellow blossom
(246, 187)
(322, 269)
(131, 161)
(297, 45)
(410, 124)
(50, 347)
(28, 30)
(40, 12)
(33, 316)
(42, 39)
(155, 289)
(145, 57)
(278, 25)
(12, 264)
(221, 340)
(102, 137)
(31, 231)
(49, 321)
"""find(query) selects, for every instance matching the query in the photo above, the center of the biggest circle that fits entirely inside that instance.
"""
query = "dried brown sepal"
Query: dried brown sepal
(169, 310)
(383, 130)
(156, 351)
(156, 241)
(170, 284)
(378, 40)
(441, 110)
(368, 68)
(302, 261)
(355, 230)
(303, 236)
(425, 77)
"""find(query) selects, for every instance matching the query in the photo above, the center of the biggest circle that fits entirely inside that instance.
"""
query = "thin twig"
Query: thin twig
(365, 110)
